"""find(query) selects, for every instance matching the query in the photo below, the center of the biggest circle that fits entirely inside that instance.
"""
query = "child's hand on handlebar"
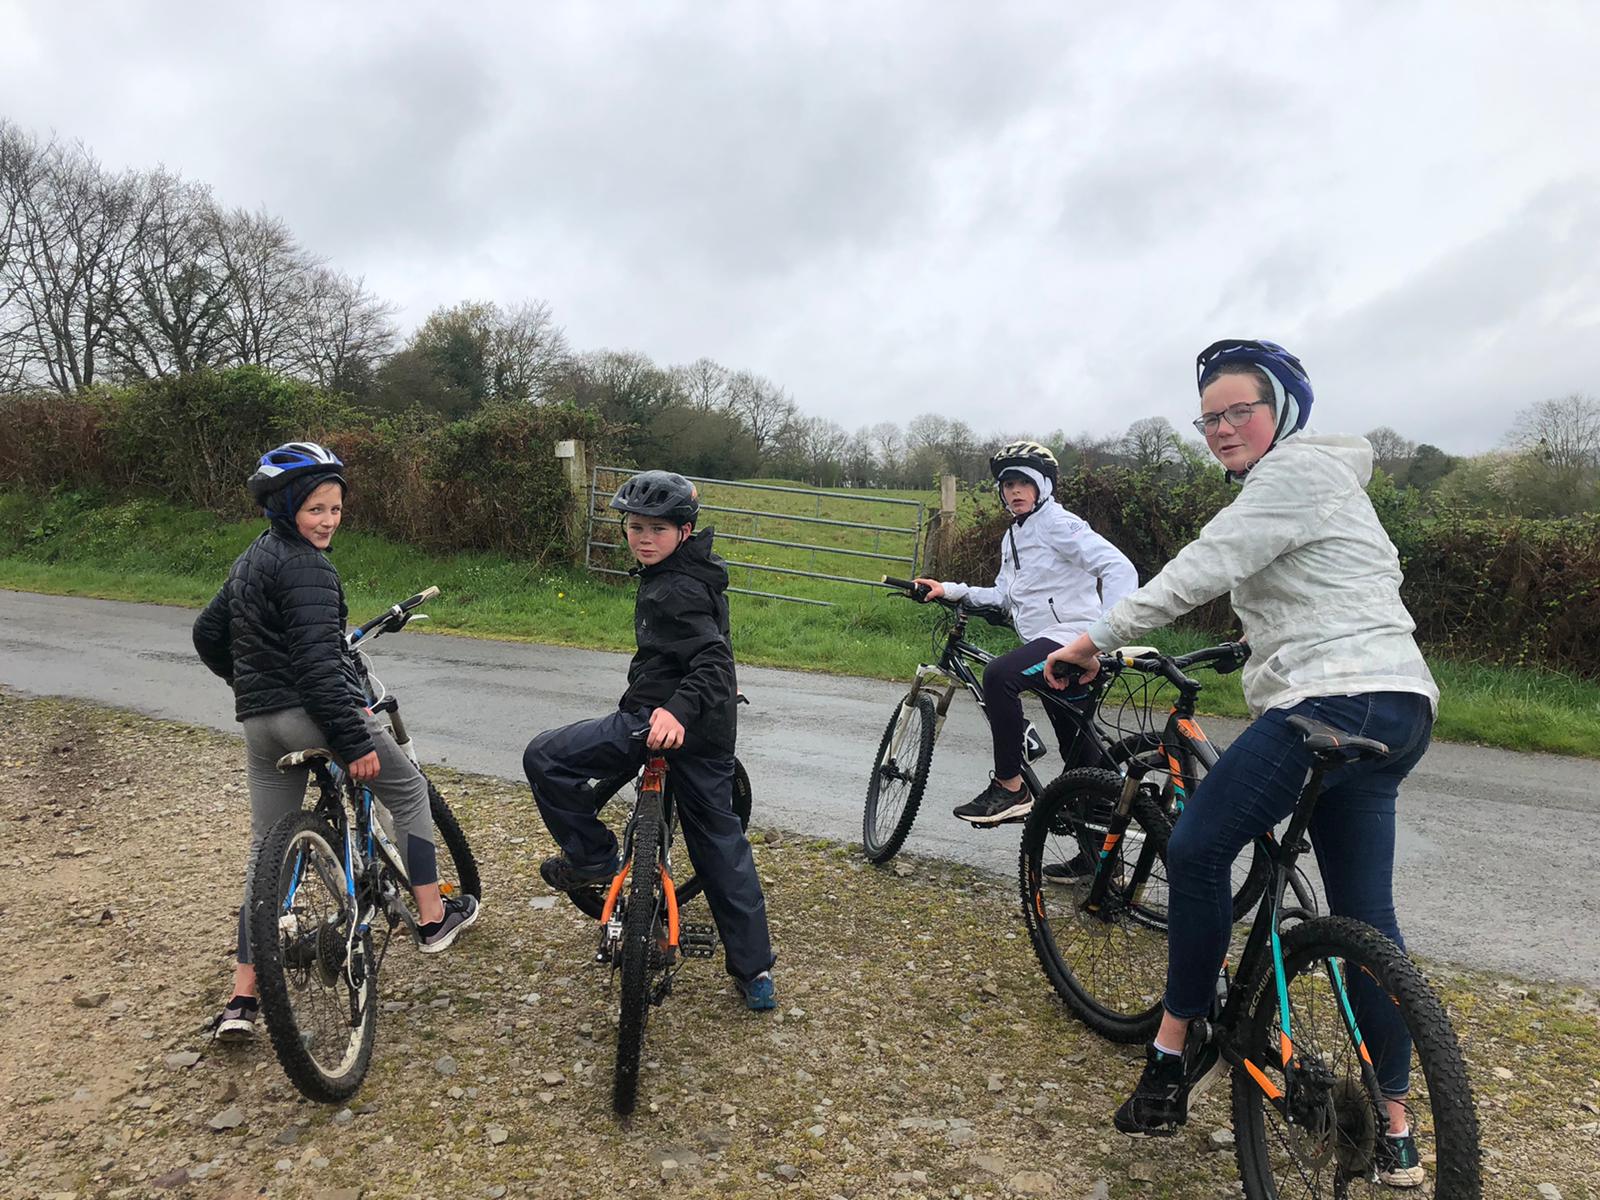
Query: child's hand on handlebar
(934, 590)
(666, 731)
(1081, 654)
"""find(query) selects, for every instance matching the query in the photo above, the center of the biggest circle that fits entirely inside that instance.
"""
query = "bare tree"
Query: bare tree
(264, 270)
(1563, 434)
(76, 242)
(890, 446)
(821, 445)
(860, 458)
(172, 311)
(1390, 451)
(1151, 442)
(929, 431)
(342, 331)
(704, 384)
(762, 407)
(527, 351)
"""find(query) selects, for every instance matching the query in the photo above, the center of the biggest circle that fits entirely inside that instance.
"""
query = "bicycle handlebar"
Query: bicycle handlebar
(917, 591)
(1224, 659)
(395, 618)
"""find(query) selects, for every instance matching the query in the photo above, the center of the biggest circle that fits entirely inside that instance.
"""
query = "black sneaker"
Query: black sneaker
(994, 804)
(1399, 1164)
(1160, 1102)
(560, 874)
(459, 912)
(236, 1023)
(1075, 868)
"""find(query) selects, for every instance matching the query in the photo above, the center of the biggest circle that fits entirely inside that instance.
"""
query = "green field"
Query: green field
(146, 550)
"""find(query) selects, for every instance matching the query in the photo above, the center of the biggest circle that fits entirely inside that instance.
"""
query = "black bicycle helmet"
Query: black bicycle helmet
(289, 464)
(1025, 454)
(658, 494)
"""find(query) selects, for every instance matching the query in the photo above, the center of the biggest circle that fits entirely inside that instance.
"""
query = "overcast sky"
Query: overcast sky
(1025, 216)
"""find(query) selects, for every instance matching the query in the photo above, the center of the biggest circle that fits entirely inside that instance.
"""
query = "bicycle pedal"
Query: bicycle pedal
(697, 941)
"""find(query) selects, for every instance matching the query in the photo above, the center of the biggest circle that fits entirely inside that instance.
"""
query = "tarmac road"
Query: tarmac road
(1496, 865)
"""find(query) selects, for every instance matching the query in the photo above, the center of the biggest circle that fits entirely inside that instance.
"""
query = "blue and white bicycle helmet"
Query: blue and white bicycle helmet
(1291, 386)
(291, 472)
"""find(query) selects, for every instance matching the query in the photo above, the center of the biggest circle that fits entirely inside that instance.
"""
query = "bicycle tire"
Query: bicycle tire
(1341, 1130)
(742, 801)
(884, 832)
(1249, 884)
(463, 863)
(285, 853)
(1108, 968)
(640, 919)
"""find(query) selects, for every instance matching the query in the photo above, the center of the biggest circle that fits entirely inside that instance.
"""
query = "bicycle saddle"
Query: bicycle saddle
(1329, 743)
(301, 757)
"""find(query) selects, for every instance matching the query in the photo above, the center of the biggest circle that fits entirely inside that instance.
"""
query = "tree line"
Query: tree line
(112, 277)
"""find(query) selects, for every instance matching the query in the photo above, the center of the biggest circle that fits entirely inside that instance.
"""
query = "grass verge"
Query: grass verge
(148, 551)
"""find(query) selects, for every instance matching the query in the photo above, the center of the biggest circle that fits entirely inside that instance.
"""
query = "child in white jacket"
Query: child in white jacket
(1057, 578)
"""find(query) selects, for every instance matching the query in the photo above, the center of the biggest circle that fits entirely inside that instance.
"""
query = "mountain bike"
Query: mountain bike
(324, 879)
(642, 938)
(1102, 940)
(1308, 1112)
(905, 753)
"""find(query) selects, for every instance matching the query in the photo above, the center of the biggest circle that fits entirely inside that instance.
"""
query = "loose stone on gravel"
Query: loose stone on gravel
(1549, 1191)
(181, 1059)
(1143, 1172)
(1032, 1183)
(1220, 1139)
(497, 1134)
(228, 1118)
(91, 999)
(343, 1117)
(445, 1065)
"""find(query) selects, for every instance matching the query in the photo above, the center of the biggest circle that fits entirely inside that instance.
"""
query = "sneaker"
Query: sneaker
(459, 912)
(560, 874)
(759, 993)
(1160, 1102)
(236, 1023)
(994, 804)
(1399, 1164)
(1076, 868)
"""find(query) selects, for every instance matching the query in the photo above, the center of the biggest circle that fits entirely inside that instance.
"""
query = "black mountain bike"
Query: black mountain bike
(642, 939)
(1102, 940)
(905, 754)
(325, 878)
(1308, 1113)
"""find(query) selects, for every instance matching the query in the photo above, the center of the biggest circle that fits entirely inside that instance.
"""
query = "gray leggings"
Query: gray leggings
(275, 794)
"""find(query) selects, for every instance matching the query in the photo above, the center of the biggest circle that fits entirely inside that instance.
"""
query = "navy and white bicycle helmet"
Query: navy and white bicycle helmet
(290, 473)
(658, 494)
(1024, 454)
(1291, 386)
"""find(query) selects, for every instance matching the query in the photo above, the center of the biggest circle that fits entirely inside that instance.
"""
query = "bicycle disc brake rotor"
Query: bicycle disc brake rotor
(1313, 1129)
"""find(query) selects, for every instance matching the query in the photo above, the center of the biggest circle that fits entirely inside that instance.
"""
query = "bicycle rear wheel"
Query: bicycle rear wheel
(458, 869)
(318, 984)
(1110, 966)
(644, 919)
(899, 775)
(1332, 1147)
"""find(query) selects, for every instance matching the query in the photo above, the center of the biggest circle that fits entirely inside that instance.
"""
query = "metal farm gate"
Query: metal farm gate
(896, 547)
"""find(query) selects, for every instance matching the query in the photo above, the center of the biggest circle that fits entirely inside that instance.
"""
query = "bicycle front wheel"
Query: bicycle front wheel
(318, 985)
(899, 775)
(1314, 1125)
(1109, 966)
(644, 919)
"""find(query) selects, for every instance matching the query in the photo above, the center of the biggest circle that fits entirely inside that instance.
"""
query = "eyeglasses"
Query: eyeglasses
(1237, 415)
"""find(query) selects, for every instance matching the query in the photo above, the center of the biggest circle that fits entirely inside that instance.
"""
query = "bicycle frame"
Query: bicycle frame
(941, 679)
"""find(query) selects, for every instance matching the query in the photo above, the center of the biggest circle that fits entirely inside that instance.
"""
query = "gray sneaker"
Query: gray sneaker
(459, 912)
(236, 1023)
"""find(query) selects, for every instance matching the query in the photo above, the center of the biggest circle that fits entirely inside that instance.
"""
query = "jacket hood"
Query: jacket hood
(1040, 481)
(1355, 452)
(693, 558)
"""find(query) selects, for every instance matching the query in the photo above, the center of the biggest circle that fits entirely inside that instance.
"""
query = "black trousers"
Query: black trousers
(560, 763)
(1004, 681)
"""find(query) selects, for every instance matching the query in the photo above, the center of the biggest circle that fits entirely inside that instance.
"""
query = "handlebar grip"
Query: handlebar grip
(421, 597)
(917, 591)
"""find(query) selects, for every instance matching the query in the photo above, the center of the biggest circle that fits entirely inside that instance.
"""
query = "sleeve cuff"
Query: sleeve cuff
(1103, 637)
(955, 591)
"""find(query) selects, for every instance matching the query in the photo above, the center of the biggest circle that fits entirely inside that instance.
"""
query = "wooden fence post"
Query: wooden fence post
(942, 542)
(574, 459)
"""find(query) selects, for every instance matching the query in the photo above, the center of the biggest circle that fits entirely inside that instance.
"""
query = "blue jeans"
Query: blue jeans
(1255, 785)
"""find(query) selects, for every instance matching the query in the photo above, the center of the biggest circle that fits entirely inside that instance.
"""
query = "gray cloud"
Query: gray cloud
(1020, 215)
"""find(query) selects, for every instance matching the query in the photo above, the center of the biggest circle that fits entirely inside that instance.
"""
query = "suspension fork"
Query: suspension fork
(1121, 817)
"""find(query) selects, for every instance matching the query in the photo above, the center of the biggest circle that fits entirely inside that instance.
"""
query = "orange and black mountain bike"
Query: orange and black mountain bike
(643, 939)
